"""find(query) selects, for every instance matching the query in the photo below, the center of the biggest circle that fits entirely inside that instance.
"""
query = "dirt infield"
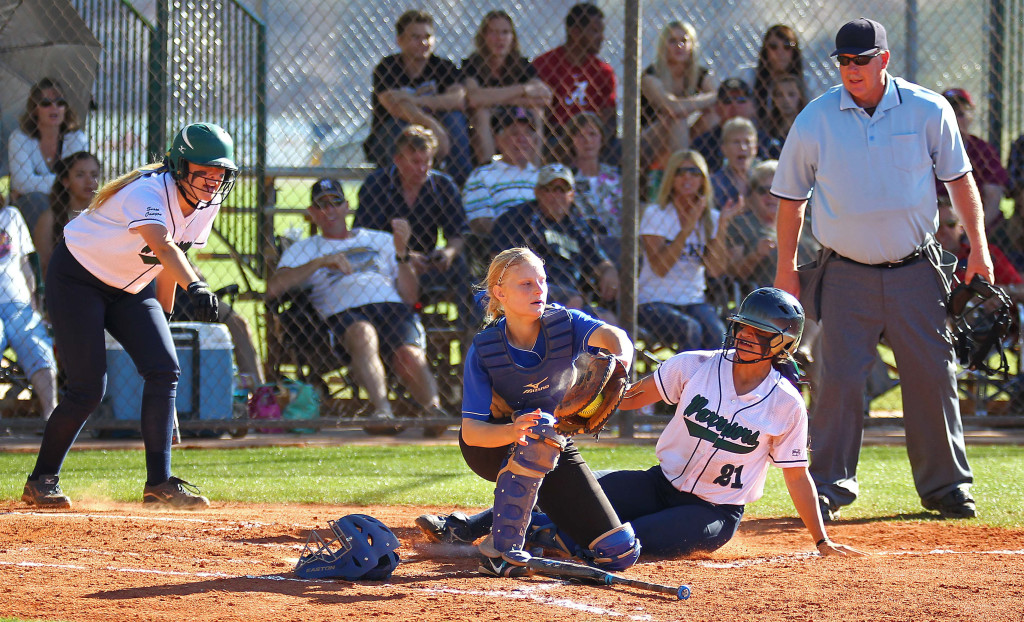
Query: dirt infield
(234, 562)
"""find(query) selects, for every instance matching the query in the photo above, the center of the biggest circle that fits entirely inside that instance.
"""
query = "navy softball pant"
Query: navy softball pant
(668, 522)
(80, 307)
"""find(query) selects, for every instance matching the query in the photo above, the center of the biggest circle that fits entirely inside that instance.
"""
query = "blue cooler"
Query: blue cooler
(207, 382)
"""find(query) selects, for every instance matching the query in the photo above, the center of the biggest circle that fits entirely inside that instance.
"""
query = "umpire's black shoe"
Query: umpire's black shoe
(45, 492)
(451, 529)
(176, 493)
(958, 503)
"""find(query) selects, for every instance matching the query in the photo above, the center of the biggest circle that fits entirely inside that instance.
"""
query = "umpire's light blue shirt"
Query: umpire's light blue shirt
(871, 179)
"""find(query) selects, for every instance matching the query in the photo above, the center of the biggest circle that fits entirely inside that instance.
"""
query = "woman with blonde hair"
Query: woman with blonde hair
(497, 74)
(675, 88)
(523, 359)
(683, 238)
(116, 270)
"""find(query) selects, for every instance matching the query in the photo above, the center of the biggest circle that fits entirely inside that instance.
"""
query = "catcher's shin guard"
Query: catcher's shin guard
(515, 491)
(617, 549)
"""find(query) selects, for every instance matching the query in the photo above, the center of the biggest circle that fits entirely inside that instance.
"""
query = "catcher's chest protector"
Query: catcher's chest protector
(541, 386)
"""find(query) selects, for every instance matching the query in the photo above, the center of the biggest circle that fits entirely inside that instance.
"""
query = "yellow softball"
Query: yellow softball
(591, 408)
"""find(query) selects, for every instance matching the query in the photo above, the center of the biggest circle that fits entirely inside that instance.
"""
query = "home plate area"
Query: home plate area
(104, 561)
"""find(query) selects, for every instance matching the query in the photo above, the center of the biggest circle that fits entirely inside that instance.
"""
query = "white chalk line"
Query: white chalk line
(519, 593)
(757, 561)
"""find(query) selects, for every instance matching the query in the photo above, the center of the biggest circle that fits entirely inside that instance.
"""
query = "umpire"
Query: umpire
(866, 154)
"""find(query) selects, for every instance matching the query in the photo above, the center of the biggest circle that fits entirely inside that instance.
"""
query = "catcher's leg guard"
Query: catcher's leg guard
(516, 487)
(617, 549)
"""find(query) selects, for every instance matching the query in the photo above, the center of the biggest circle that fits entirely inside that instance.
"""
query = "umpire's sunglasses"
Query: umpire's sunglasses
(860, 60)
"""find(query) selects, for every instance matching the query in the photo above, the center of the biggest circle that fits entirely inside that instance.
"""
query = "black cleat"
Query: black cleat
(176, 493)
(451, 529)
(45, 492)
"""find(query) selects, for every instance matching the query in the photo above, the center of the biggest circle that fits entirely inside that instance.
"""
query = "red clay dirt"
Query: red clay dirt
(234, 562)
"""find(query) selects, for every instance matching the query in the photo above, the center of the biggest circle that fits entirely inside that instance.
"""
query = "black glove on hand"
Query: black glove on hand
(204, 302)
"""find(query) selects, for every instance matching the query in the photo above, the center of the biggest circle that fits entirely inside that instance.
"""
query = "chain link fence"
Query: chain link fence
(294, 83)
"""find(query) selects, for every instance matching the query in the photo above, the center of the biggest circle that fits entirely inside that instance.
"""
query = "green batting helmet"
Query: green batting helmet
(201, 143)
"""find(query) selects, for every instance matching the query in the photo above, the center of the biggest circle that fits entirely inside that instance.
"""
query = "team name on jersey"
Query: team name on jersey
(708, 425)
(150, 259)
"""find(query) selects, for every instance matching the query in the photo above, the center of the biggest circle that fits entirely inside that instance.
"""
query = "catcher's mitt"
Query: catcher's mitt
(593, 398)
(980, 316)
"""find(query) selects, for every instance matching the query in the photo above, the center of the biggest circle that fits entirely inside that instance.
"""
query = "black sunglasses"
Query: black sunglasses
(775, 45)
(46, 102)
(860, 60)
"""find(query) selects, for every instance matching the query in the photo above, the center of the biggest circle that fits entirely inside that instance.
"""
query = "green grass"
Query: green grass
(437, 475)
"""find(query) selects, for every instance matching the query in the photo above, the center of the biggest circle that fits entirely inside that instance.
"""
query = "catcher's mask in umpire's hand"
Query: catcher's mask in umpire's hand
(773, 311)
(361, 547)
(980, 317)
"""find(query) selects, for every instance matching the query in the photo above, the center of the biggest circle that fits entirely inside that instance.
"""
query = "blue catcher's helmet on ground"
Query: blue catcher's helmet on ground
(773, 311)
(361, 548)
(204, 144)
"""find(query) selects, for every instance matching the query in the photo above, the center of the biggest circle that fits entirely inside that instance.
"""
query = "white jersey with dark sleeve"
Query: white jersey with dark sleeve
(106, 240)
(718, 444)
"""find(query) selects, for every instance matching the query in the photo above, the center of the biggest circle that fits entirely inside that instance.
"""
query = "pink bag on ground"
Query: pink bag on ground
(263, 405)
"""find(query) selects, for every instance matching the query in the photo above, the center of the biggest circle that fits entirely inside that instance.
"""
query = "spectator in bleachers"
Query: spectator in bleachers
(409, 189)
(362, 283)
(734, 99)
(418, 87)
(580, 79)
(497, 74)
(598, 184)
(788, 99)
(739, 147)
(673, 90)
(573, 258)
(21, 326)
(780, 56)
(683, 239)
(76, 179)
(47, 130)
(989, 174)
(509, 179)
(1009, 235)
(752, 238)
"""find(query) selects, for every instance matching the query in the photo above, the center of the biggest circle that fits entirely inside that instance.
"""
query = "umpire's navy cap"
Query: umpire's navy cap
(861, 37)
(326, 187)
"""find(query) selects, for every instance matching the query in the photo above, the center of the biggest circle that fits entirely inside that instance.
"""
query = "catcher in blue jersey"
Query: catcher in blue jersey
(524, 358)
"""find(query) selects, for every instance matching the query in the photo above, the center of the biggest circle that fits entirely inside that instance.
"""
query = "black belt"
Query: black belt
(913, 257)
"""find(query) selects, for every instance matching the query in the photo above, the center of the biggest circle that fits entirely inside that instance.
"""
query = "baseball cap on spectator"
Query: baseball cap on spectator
(958, 97)
(505, 116)
(860, 37)
(326, 187)
(731, 87)
(553, 172)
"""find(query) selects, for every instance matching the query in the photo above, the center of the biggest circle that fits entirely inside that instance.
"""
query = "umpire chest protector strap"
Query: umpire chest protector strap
(540, 386)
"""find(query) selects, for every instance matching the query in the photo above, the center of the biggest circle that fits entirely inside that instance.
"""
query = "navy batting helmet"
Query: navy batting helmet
(360, 547)
(772, 311)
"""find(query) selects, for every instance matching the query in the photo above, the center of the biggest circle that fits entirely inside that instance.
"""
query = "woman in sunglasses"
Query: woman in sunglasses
(48, 129)
(780, 55)
(683, 240)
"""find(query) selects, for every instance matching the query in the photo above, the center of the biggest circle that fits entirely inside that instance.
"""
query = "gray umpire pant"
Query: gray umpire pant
(859, 305)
